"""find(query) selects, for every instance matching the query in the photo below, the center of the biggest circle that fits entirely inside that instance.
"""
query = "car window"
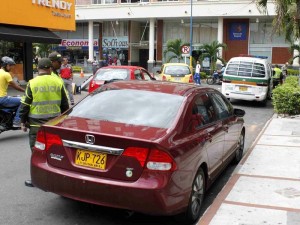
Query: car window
(134, 107)
(223, 108)
(138, 75)
(147, 76)
(110, 74)
(202, 112)
(177, 70)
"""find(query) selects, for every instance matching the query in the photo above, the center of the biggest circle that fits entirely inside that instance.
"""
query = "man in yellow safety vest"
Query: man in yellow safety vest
(44, 99)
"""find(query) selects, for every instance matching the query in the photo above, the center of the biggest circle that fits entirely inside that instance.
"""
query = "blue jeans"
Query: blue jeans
(197, 78)
(11, 102)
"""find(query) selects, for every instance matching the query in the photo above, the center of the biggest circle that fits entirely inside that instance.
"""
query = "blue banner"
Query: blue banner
(238, 31)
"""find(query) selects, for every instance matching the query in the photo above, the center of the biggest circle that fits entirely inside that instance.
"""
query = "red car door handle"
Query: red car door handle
(226, 128)
(209, 137)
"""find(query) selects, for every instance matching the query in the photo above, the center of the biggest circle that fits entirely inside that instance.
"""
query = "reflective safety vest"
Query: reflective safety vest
(46, 97)
(277, 73)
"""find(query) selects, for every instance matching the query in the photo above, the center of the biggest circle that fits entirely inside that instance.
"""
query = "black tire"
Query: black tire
(196, 198)
(210, 80)
(238, 155)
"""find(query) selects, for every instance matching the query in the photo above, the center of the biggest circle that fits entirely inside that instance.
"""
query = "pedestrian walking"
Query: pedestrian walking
(44, 99)
(284, 70)
(6, 80)
(66, 73)
(277, 76)
(197, 77)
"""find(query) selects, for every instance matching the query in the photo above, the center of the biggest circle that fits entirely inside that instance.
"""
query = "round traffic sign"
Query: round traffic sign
(185, 49)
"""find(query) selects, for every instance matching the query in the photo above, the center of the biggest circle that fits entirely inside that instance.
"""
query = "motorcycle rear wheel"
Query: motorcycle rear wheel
(210, 80)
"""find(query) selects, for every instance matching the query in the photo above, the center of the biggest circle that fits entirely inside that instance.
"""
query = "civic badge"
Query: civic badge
(89, 139)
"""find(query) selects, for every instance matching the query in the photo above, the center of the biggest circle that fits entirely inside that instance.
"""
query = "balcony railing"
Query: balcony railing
(102, 2)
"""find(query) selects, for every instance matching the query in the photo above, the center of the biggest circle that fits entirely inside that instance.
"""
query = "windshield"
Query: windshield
(110, 74)
(246, 69)
(135, 107)
(177, 70)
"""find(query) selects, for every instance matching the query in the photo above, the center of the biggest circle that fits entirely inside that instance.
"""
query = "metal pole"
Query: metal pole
(191, 33)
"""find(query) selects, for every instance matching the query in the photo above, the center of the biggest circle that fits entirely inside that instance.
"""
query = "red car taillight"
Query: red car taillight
(157, 160)
(191, 79)
(164, 78)
(92, 83)
(160, 160)
(45, 140)
(139, 153)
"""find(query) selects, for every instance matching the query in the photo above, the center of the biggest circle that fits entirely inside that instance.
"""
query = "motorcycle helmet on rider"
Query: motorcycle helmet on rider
(5, 60)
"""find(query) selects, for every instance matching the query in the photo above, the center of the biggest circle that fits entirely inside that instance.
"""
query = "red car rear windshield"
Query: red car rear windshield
(112, 74)
(134, 107)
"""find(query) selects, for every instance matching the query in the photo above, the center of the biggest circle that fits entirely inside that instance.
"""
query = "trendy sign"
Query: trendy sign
(52, 14)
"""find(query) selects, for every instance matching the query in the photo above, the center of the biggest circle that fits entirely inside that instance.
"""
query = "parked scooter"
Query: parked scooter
(6, 119)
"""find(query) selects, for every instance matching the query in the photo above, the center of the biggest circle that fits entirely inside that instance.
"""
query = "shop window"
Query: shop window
(13, 50)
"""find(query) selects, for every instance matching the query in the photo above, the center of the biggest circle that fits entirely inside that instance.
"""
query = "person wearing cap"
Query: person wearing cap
(56, 60)
(44, 99)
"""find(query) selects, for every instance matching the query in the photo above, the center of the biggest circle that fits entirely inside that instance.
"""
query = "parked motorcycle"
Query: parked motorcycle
(216, 78)
(6, 118)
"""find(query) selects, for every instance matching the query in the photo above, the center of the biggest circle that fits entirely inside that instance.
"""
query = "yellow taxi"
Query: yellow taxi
(176, 72)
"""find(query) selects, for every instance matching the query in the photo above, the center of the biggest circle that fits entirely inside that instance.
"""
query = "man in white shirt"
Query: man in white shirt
(197, 78)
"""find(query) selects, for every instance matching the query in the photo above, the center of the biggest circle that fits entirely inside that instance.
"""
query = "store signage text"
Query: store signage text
(113, 42)
(57, 4)
(107, 42)
(77, 42)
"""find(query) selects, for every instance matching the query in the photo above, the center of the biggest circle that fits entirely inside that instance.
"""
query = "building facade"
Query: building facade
(137, 31)
(25, 22)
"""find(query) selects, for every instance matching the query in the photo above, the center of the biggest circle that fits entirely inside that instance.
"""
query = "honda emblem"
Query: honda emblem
(89, 139)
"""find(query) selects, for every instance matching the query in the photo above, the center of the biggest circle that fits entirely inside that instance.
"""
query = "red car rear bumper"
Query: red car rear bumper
(153, 195)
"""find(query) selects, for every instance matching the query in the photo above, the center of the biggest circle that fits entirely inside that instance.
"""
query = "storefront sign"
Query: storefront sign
(238, 31)
(77, 42)
(115, 42)
(55, 4)
(52, 14)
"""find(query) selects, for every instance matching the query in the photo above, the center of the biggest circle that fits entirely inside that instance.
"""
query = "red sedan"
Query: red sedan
(151, 147)
(113, 73)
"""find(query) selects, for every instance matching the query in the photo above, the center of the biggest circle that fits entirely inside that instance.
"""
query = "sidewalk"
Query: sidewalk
(265, 187)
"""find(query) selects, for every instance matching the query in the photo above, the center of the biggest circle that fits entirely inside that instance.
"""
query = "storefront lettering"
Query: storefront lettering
(57, 4)
(77, 42)
(115, 43)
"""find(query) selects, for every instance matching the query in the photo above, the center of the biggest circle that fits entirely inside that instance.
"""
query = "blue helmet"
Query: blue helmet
(5, 60)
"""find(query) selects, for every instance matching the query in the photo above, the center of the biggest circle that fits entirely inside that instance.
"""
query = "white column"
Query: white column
(296, 60)
(91, 40)
(151, 40)
(220, 36)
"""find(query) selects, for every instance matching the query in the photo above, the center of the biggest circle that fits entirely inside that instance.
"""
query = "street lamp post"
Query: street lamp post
(191, 33)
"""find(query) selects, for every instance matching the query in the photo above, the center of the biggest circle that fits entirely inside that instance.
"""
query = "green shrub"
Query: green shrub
(203, 75)
(292, 72)
(286, 97)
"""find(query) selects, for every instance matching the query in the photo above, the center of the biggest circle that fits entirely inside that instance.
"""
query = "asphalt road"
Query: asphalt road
(23, 205)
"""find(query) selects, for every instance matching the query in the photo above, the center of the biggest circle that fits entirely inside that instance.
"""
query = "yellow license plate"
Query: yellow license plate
(90, 159)
(243, 88)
